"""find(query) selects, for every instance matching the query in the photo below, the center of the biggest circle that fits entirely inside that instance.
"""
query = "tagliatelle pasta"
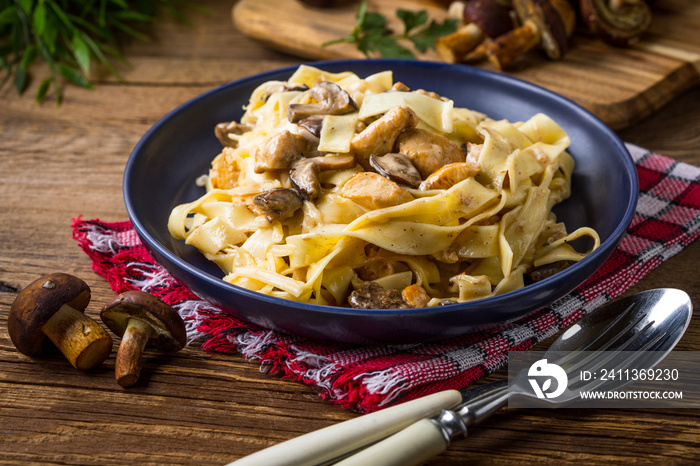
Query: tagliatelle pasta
(347, 191)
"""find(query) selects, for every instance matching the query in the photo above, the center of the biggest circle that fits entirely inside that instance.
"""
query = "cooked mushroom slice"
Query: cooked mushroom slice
(226, 132)
(547, 23)
(483, 18)
(372, 295)
(428, 151)
(397, 167)
(141, 319)
(334, 162)
(375, 267)
(373, 191)
(330, 100)
(312, 124)
(546, 271)
(379, 137)
(449, 175)
(305, 172)
(282, 87)
(618, 22)
(53, 306)
(304, 175)
(279, 151)
(279, 203)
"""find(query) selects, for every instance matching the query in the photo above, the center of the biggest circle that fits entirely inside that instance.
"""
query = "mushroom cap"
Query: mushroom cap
(621, 27)
(169, 328)
(552, 29)
(37, 303)
(489, 15)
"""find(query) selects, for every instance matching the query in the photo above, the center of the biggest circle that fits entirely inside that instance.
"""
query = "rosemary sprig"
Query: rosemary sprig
(71, 35)
(371, 35)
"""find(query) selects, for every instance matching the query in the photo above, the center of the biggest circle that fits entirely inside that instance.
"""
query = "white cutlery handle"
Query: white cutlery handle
(337, 440)
(412, 446)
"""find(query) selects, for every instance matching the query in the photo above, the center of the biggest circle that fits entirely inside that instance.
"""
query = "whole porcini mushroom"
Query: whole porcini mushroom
(52, 308)
(141, 319)
(545, 23)
(617, 22)
(482, 18)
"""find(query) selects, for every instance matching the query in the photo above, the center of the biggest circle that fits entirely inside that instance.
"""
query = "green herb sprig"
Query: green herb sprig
(371, 34)
(71, 35)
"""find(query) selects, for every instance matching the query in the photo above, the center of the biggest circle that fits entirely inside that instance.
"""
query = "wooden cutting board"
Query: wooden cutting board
(619, 85)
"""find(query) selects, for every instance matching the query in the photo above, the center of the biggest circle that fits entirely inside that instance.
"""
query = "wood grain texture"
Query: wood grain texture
(192, 407)
(619, 85)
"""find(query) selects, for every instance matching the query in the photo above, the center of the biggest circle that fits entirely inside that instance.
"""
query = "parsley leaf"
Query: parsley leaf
(372, 35)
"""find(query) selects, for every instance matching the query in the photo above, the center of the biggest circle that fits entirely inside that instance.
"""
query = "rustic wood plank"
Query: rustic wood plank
(620, 85)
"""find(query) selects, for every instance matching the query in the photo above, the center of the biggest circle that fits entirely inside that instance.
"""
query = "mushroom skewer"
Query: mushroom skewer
(140, 319)
(546, 23)
(53, 306)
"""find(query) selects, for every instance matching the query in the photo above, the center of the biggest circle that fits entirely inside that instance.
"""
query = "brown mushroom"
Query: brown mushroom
(53, 306)
(141, 319)
(372, 295)
(226, 132)
(279, 151)
(278, 203)
(279, 86)
(397, 167)
(545, 23)
(313, 124)
(617, 22)
(483, 18)
(330, 100)
(305, 172)
(304, 175)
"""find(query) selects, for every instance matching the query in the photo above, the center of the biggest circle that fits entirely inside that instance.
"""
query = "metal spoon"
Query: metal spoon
(650, 323)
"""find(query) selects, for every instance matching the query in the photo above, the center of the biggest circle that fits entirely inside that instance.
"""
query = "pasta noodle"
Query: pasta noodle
(339, 190)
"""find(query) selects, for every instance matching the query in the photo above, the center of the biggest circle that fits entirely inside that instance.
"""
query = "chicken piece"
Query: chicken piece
(225, 170)
(449, 175)
(415, 296)
(399, 86)
(379, 137)
(428, 151)
(280, 151)
(373, 191)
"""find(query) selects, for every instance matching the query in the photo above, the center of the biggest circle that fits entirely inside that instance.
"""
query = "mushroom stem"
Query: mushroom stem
(128, 364)
(81, 339)
(452, 48)
(503, 50)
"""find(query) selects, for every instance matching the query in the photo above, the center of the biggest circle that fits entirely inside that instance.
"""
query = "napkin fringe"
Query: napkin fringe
(370, 377)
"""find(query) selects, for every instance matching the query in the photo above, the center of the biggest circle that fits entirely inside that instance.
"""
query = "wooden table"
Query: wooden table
(196, 408)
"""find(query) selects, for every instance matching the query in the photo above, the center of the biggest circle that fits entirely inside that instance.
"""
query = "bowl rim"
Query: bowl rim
(606, 247)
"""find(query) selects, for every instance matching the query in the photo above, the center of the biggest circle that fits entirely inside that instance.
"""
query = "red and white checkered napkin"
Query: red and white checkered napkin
(367, 378)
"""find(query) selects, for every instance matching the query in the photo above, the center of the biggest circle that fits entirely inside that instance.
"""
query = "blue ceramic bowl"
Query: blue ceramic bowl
(162, 169)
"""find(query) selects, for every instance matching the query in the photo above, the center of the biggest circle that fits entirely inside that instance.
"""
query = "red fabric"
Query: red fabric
(367, 378)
